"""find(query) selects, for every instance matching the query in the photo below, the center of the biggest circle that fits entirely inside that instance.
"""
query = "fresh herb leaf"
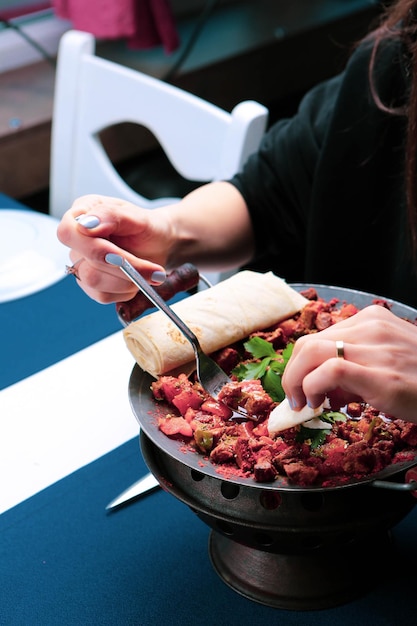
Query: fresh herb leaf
(277, 366)
(260, 348)
(271, 382)
(251, 370)
(268, 367)
(287, 352)
(317, 436)
(314, 436)
(332, 416)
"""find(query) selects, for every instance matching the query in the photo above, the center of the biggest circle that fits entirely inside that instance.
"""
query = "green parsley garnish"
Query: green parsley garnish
(315, 437)
(268, 367)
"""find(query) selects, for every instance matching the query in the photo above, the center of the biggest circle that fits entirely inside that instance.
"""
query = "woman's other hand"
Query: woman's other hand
(379, 365)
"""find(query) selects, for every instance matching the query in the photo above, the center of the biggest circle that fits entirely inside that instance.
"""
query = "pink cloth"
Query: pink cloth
(144, 23)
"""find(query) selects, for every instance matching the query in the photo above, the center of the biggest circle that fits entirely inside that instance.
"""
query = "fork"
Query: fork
(211, 377)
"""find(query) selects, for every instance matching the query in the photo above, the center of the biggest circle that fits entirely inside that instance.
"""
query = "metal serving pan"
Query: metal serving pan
(147, 410)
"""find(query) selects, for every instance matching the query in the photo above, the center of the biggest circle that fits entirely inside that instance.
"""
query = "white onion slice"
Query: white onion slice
(283, 417)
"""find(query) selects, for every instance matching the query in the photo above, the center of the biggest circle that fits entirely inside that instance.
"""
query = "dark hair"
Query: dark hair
(399, 20)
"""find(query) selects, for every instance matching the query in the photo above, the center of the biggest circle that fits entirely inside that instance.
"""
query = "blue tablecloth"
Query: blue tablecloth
(39, 330)
(63, 560)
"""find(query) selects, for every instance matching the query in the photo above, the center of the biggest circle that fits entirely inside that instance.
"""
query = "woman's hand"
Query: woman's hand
(97, 225)
(209, 227)
(379, 365)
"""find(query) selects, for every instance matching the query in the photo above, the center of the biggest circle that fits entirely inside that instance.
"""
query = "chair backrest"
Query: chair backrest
(202, 141)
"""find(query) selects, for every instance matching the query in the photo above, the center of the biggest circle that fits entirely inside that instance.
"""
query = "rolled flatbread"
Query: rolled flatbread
(218, 316)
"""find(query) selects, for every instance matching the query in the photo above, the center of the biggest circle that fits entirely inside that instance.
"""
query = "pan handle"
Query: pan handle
(410, 484)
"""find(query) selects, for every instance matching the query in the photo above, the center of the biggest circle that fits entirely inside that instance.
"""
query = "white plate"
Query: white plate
(31, 257)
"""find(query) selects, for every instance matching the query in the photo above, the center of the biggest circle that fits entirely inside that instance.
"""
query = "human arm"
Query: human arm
(379, 367)
(210, 227)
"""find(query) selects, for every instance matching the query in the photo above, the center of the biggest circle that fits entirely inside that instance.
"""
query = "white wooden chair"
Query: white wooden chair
(202, 141)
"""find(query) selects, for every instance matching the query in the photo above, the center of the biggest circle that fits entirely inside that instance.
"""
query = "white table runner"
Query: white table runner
(64, 417)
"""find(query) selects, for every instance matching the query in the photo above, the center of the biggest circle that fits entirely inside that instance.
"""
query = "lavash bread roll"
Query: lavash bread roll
(218, 316)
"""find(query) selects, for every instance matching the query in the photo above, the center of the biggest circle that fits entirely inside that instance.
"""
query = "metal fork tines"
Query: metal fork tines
(211, 377)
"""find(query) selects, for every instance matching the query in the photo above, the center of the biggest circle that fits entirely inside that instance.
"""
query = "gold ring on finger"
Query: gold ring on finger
(71, 270)
(340, 349)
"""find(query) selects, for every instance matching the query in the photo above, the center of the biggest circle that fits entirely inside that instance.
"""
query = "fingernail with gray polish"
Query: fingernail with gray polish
(158, 277)
(291, 402)
(88, 221)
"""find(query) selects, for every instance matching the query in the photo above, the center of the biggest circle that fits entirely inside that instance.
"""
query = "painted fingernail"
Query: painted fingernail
(158, 276)
(291, 402)
(88, 221)
(114, 259)
(309, 404)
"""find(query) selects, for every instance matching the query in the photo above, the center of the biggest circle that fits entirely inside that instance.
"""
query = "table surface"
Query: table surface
(68, 445)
